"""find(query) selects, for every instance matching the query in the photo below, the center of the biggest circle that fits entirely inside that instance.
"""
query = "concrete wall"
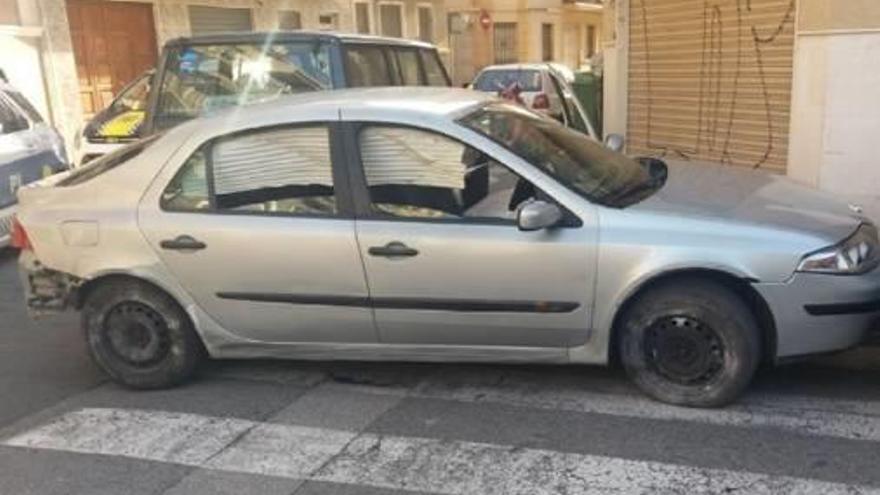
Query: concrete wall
(835, 116)
(615, 55)
(22, 64)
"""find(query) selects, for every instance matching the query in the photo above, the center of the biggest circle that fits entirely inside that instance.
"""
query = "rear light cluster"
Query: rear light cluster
(541, 102)
(19, 236)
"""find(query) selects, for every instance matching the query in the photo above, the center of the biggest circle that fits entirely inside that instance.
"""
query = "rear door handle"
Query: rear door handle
(392, 250)
(183, 242)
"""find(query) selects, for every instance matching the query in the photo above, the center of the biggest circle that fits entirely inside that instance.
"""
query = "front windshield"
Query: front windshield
(597, 173)
(200, 79)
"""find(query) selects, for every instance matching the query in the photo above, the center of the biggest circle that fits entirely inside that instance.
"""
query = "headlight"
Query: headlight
(859, 253)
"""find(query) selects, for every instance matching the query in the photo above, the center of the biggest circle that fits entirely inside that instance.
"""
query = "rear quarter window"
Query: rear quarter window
(107, 162)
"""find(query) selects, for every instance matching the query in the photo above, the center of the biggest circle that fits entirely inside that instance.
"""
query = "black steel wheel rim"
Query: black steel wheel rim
(684, 350)
(137, 334)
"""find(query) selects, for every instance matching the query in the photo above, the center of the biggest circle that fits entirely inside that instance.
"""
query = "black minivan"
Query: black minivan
(201, 74)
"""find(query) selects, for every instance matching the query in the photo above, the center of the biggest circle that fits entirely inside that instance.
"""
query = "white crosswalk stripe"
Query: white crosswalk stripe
(396, 462)
(854, 426)
(847, 419)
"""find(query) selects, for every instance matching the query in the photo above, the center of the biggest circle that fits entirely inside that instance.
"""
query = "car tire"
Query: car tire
(690, 342)
(140, 336)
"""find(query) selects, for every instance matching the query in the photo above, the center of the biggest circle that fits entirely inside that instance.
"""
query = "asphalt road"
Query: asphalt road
(365, 429)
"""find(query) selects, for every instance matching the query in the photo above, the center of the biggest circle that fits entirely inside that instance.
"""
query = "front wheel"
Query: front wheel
(690, 342)
(139, 335)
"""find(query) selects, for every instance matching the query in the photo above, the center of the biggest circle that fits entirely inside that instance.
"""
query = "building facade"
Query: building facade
(788, 86)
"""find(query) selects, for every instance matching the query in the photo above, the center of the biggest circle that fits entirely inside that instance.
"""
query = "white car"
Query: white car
(30, 150)
(543, 87)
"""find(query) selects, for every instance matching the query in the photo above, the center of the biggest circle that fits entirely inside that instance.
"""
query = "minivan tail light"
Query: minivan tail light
(20, 238)
(541, 102)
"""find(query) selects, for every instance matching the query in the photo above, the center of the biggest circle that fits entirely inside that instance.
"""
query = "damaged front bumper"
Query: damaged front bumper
(46, 290)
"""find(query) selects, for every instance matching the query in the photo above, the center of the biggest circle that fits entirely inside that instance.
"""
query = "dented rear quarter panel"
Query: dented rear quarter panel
(90, 229)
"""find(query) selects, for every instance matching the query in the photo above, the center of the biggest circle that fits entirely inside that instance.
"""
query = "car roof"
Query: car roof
(295, 35)
(428, 100)
(424, 103)
(524, 66)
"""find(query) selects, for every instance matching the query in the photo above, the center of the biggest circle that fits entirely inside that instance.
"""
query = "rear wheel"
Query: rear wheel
(139, 335)
(690, 342)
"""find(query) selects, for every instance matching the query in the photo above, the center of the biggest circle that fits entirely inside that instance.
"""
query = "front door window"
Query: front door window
(412, 173)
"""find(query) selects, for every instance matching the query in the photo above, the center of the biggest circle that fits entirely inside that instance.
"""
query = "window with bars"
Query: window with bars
(328, 22)
(547, 42)
(505, 42)
(391, 19)
(362, 17)
(426, 23)
(591, 40)
(289, 19)
(277, 171)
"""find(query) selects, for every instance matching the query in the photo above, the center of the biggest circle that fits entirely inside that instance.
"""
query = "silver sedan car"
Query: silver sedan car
(440, 225)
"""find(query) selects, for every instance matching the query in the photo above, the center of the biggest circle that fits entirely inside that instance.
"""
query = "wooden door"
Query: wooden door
(113, 42)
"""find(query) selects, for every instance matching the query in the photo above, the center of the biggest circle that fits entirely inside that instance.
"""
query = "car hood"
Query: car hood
(757, 198)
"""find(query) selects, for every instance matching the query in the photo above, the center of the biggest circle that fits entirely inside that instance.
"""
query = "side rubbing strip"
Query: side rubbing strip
(462, 305)
(843, 308)
(476, 305)
(296, 298)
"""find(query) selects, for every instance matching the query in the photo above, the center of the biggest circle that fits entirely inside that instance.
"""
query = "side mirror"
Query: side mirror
(615, 142)
(538, 215)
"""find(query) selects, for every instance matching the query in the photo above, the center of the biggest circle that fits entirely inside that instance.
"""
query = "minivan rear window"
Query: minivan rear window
(497, 80)
(107, 162)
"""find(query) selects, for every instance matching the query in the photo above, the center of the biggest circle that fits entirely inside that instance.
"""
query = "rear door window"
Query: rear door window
(394, 65)
(411, 72)
(284, 171)
(367, 66)
(434, 72)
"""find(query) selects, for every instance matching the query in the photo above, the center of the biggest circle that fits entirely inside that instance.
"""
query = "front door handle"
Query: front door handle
(183, 243)
(393, 250)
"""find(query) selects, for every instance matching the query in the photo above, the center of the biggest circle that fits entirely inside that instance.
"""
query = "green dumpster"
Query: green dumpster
(587, 88)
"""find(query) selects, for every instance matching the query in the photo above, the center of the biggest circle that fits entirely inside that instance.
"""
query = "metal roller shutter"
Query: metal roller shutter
(711, 80)
(209, 20)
